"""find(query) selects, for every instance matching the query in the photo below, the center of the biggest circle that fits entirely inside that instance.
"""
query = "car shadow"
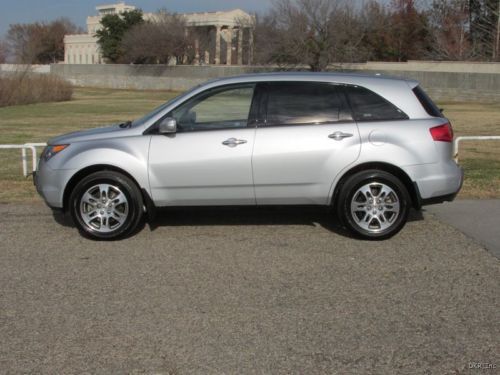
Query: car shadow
(234, 216)
(269, 215)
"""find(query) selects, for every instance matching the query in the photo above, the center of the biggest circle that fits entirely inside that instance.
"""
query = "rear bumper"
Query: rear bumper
(437, 200)
(436, 183)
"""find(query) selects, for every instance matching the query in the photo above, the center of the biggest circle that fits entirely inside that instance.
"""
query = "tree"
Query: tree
(52, 40)
(114, 27)
(449, 22)
(3, 52)
(378, 34)
(308, 32)
(410, 38)
(485, 27)
(23, 41)
(39, 43)
(157, 41)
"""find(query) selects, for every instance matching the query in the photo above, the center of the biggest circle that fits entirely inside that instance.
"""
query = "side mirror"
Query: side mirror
(167, 126)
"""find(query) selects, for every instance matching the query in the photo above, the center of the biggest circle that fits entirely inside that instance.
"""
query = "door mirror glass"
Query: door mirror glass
(167, 126)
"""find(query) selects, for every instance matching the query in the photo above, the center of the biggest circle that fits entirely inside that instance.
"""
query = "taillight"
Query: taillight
(442, 133)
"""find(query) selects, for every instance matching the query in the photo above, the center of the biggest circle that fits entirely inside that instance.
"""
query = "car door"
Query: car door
(307, 138)
(208, 160)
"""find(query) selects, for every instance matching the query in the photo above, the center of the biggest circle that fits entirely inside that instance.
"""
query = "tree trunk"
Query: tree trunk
(496, 47)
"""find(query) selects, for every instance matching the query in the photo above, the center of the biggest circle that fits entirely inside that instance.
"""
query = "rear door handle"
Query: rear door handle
(233, 142)
(338, 136)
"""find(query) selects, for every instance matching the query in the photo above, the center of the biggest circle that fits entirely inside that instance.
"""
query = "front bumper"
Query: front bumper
(50, 184)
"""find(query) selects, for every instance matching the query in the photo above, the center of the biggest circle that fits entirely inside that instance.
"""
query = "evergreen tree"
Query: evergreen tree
(114, 27)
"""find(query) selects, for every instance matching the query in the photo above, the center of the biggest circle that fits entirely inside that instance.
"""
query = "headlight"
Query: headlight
(50, 151)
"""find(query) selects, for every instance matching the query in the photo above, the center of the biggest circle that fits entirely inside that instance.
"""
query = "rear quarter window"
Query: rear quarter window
(368, 106)
(427, 102)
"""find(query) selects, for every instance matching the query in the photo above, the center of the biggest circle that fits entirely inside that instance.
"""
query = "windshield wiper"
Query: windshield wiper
(126, 124)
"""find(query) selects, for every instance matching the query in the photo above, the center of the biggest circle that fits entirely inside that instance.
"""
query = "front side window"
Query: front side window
(219, 108)
(368, 106)
(305, 103)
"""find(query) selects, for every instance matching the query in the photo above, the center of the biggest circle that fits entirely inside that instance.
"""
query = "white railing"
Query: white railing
(24, 157)
(471, 138)
(34, 158)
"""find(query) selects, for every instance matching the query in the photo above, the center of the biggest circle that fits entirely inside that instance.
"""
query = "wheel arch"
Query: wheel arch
(410, 185)
(84, 172)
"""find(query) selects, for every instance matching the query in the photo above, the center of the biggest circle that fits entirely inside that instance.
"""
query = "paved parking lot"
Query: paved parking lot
(478, 218)
(244, 291)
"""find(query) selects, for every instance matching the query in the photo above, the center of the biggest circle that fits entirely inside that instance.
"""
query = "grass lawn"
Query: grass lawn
(481, 160)
(97, 107)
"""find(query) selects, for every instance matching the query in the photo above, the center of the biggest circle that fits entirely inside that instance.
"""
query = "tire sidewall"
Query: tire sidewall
(127, 187)
(353, 184)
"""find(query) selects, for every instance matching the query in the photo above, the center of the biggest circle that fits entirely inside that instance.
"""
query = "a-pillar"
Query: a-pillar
(217, 45)
(229, 44)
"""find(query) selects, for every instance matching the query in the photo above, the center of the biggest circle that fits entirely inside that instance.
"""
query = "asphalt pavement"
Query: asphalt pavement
(244, 291)
(478, 218)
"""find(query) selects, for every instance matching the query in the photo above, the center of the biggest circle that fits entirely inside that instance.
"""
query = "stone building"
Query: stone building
(219, 37)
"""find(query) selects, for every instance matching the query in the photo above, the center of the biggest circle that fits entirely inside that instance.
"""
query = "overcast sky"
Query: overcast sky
(25, 11)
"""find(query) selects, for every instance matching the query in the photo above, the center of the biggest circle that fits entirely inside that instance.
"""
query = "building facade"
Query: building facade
(224, 37)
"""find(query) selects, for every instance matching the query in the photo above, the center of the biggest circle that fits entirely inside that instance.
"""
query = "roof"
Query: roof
(396, 90)
(348, 78)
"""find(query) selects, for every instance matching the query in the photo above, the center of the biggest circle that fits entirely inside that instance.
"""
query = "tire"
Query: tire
(373, 204)
(106, 205)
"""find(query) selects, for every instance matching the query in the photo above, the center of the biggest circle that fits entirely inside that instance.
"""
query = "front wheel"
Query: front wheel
(106, 205)
(373, 204)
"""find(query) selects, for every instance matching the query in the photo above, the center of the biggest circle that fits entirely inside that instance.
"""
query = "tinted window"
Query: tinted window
(220, 108)
(304, 103)
(427, 102)
(368, 106)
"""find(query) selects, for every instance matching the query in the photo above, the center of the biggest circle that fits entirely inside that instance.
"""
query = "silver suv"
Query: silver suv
(370, 147)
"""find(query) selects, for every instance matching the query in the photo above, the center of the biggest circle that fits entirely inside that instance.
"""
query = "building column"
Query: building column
(250, 46)
(229, 45)
(217, 45)
(240, 46)
(196, 51)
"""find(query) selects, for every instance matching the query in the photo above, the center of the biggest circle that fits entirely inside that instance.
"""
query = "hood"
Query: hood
(111, 131)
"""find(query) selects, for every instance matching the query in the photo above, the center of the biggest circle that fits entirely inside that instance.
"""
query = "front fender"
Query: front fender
(127, 154)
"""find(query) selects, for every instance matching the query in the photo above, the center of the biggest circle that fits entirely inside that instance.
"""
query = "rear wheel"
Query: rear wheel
(106, 205)
(373, 204)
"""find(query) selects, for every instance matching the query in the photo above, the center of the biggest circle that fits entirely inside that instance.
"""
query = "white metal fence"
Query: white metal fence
(34, 155)
(457, 141)
(24, 156)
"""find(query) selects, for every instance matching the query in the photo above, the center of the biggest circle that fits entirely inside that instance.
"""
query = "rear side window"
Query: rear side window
(305, 103)
(427, 102)
(368, 106)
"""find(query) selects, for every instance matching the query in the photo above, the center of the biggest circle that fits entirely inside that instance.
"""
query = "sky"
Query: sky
(26, 11)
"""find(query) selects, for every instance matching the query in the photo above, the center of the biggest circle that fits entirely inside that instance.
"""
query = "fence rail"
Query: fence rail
(24, 157)
(472, 138)
(34, 156)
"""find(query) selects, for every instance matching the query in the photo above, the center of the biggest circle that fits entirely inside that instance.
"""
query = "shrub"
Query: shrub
(28, 88)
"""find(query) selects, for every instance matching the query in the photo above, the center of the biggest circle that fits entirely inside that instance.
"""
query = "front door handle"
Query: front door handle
(233, 142)
(338, 136)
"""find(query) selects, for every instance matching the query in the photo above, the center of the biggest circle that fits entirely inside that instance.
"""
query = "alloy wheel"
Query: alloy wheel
(104, 208)
(375, 207)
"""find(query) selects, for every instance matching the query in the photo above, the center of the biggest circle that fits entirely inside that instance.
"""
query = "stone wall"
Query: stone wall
(17, 68)
(443, 81)
(146, 77)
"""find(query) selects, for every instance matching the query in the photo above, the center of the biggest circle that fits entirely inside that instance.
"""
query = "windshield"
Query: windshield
(159, 109)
